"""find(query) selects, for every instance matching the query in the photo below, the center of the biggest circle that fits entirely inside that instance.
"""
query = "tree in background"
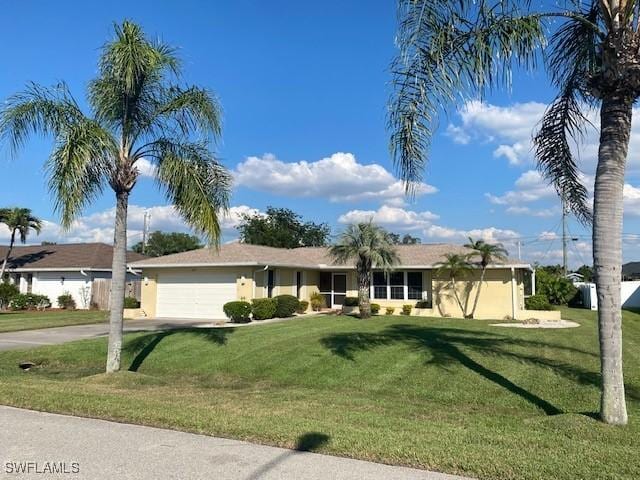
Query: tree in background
(161, 243)
(139, 110)
(282, 228)
(368, 246)
(488, 253)
(551, 283)
(587, 272)
(406, 239)
(451, 51)
(20, 221)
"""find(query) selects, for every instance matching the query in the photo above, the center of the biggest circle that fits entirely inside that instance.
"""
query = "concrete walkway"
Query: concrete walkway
(96, 449)
(58, 335)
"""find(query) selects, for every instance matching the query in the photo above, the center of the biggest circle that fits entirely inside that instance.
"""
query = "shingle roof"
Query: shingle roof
(96, 256)
(423, 255)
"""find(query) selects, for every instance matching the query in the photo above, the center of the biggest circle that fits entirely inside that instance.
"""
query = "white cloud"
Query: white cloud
(338, 177)
(530, 187)
(98, 227)
(146, 168)
(510, 130)
(391, 217)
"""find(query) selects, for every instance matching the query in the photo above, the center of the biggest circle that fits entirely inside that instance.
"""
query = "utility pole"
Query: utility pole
(519, 244)
(564, 237)
(145, 230)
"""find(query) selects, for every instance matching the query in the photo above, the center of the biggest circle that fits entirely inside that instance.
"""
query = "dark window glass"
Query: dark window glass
(380, 292)
(396, 278)
(327, 300)
(397, 293)
(414, 283)
(298, 284)
(271, 283)
(325, 282)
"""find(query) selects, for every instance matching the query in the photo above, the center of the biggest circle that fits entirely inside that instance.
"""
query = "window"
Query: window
(396, 282)
(379, 285)
(325, 287)
(414, 285)
(271, 281)
(299, 285)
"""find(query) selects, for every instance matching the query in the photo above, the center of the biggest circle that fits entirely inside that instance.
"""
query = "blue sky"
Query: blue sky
(304, 87)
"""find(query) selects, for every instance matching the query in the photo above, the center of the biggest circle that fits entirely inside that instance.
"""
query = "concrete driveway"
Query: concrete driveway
(97, 450)
(57, 335)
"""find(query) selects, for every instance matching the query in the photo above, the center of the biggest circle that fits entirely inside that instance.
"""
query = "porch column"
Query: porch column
(533, 282)
(513, 293)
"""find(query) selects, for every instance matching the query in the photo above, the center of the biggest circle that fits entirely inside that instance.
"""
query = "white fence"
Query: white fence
(629, 294)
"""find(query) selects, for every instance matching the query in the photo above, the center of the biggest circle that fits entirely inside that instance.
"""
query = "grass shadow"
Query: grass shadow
(447, 346)
(144, 345)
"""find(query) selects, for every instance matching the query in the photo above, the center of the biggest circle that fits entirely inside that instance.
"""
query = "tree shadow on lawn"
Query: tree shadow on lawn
(142, 346)
(445, 345)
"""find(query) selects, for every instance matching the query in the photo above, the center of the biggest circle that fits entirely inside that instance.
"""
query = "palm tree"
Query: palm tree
(139, 111)
(453, 50)
(20, 221)
(370, 247)
(455, 267)
(488, 253)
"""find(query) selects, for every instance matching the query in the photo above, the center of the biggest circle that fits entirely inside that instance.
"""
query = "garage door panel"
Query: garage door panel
(194, 294)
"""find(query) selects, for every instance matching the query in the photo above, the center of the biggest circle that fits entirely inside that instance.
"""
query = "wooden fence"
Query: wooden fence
(101, 289)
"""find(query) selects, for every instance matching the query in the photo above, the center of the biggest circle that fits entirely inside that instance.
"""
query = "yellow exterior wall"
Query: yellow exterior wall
(495, 298)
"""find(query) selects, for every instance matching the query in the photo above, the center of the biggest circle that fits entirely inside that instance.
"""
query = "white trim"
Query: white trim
(513, 293)
(64, 269)
(297, 265)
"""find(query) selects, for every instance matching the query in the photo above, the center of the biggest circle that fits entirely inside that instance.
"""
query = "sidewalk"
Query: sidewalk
(98, 449)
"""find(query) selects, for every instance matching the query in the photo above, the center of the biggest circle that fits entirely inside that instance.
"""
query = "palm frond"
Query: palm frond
(79, 167)
(572, 58)
(196, 183)
(37, 110)
(449, 50)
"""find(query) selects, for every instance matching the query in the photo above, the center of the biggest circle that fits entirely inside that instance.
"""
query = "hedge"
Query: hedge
(263, 308)
(286, 305)
(238, 312)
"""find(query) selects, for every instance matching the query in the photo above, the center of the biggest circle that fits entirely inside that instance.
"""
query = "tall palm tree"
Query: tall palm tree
(139, 111)
(452, 50)
(488, 253)
(455, 267)
(19, 221)
(369, 245)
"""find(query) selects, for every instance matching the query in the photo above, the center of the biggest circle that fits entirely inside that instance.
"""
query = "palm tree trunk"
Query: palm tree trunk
(7, 255)
(457, 297)
(475, 301)
(118, 281)
(364, 285)
(615, 119)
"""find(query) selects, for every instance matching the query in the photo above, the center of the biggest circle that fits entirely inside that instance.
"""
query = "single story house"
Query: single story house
(196, 284)
(53, 270)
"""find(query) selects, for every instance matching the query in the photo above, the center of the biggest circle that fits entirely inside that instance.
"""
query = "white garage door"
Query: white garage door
(194, 294)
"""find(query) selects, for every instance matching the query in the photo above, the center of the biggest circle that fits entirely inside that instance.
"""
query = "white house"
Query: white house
(53, 270)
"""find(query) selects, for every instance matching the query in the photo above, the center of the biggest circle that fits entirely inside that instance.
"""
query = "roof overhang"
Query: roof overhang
(525, 266)
(61, 269)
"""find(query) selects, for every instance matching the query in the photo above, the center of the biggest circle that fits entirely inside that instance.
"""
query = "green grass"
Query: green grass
(14, 321)
(456, 396)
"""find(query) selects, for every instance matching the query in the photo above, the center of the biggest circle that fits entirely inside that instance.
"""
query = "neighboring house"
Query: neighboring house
(53, 270)
(631, 271)
(198, 283)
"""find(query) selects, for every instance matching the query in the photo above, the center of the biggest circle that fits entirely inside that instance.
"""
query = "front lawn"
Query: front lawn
(14, 321)
(457, 396)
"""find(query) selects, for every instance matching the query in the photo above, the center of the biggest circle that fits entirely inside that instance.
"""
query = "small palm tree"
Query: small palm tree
(20, 221)
(455, 267)
(139, 112)
(369, 245)
(488, 253)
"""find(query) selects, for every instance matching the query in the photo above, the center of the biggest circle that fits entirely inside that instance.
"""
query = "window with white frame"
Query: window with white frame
(398, 285)
(379, 285)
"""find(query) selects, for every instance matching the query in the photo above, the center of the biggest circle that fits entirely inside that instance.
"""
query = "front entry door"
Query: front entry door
(339, 289)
